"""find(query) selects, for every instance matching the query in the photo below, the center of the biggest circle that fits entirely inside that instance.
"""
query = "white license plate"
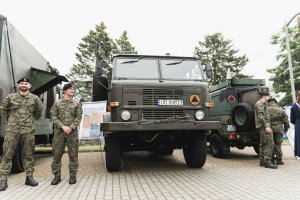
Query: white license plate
(231, 128)
(164, 102)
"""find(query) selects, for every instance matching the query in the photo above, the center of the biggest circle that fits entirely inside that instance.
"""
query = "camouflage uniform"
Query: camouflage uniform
(278, 117)
(262, 121)
(21, 113)
(65, 113)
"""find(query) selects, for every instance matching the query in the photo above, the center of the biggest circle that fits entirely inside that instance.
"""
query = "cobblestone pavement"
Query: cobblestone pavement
(149, 176)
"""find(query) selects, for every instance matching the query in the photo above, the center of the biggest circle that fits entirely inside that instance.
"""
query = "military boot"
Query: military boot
(279, 162)
(72, 179)
(270, 165)
(56, 180)
(3, 185)
(30, 181)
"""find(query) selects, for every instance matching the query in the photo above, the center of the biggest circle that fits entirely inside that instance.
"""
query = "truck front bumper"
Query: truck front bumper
(152, 126)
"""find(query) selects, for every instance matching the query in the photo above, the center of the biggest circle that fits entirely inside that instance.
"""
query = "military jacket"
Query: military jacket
(262, 116)
(21, 112)
(66, 113)
(278, 117)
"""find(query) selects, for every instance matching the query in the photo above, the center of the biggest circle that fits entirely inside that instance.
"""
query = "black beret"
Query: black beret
(67, 86)
(272, 99)
(264, 91)
(24, 79)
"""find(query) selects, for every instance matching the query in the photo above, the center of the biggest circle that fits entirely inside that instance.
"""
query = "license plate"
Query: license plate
(164, 102)
(231, 128)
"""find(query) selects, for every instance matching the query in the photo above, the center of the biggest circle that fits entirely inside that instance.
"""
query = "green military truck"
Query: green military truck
(234, 102)
(155, 103)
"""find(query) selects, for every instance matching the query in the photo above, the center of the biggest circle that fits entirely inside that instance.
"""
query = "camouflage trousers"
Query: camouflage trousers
(266, 146)
(60, 140)
(278, 139)
(11, 141)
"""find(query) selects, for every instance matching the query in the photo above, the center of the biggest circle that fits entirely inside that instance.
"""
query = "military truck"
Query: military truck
(234, 101)
(155, 103)
(19, 59)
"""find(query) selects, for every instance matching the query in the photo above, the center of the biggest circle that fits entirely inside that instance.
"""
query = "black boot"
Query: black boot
(30, 181)
(270, 165)
(56, 180)
(72, 179)
(3, 185)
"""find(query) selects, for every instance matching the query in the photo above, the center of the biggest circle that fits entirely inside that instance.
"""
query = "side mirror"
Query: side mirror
(208, 70)
(98, 68)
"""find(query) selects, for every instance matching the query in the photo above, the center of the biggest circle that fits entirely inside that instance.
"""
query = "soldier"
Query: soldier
(66, 115)
(262, 122)
(278, 118)
(21, 110)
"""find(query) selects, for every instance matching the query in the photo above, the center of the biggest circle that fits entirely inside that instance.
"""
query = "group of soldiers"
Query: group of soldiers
(272, 122)
(22, 109)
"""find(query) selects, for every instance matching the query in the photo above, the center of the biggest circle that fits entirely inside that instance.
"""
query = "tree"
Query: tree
(124, 45)
(280, 74)
(220, 54)
(96, 46)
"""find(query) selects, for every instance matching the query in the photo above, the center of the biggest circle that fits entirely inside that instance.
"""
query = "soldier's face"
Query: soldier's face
(24, 86)
(70, 91)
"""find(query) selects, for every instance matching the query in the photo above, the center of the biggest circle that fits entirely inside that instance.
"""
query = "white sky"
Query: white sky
(55, 27)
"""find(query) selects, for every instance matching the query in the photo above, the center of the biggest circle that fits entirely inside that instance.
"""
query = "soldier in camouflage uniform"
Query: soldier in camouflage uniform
(278, 118)
(262, 122)
(21, 110)
(66, 115)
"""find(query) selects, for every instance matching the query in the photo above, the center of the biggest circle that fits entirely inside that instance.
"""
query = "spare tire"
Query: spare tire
(242, 117)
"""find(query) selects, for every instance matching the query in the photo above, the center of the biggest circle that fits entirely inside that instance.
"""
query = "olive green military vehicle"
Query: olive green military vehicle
(18, 58)
(234, 102)
(156, 103)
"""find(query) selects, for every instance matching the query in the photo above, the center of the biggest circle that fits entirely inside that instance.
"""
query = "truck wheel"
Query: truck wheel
(1, 146)
(256, 148)
(243, 117)
(216, 146)
(17, 160)
(112, 154)
(195, 152)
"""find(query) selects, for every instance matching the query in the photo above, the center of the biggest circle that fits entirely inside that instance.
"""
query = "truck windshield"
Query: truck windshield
(140, 68)
(180, 69)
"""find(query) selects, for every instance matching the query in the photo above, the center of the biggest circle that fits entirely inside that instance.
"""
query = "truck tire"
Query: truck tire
(195, 152)
(256, 148)
(243, 117)
(112, 154)
(17, 160)
(1, 147)
(216, 146)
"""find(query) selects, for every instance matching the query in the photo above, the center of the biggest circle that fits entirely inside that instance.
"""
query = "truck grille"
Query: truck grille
(150, 96)
(161, 114)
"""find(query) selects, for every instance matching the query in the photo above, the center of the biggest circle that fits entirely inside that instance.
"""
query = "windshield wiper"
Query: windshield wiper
(176, 63)
(132, 61)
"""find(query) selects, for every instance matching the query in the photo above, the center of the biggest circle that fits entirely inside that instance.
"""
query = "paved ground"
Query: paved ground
(149, 176)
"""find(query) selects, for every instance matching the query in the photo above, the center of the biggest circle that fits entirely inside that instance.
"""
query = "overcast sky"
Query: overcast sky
(55, 27)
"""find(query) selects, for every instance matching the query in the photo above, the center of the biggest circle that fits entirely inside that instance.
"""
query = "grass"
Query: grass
(82, 148)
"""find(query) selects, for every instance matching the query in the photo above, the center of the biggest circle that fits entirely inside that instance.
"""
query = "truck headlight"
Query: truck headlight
(199, 115)
(125, 115)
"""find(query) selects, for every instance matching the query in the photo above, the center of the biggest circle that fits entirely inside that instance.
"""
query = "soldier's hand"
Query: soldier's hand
(67, 130)
(268, 130)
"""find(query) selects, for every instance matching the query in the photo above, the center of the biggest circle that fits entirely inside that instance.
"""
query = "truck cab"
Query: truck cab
(156, 103)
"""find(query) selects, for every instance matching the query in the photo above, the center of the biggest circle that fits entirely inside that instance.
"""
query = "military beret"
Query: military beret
(264, 91)
(67, 86)
(272, 99)
(24, 79)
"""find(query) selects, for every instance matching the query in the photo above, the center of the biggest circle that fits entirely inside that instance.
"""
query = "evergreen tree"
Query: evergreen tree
(124, 46)
(96, 46)
(220, 54)
(280, 73)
